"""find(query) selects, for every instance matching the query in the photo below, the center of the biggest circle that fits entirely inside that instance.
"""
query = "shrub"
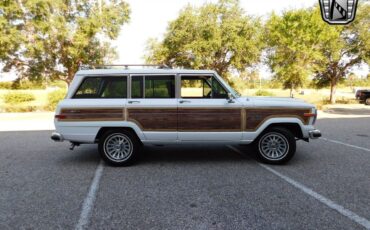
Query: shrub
(54, 98)
(26, 84)
(18, 108)
(59, 84)
(18, 97)
(262, 92)
(6, 85)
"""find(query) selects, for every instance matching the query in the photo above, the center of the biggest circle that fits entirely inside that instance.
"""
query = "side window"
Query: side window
(159, 86)
(102, 87)
(114, 87)
(137, 87)
(89, 88)
(196, 87)
(218, 90)
(201, 87)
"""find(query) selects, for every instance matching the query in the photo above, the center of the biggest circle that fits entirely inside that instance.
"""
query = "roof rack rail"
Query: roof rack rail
(126, 66)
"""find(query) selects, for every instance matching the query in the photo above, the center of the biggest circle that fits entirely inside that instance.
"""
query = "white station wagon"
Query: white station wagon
(123, 109)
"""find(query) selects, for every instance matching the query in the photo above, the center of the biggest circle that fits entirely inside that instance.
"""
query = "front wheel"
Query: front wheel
(367, 102)
(275, 146)
(119, 147)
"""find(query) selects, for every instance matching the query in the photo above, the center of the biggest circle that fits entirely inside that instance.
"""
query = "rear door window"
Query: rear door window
(102, 87)
(153, 86)
(159, 86)
(137, 87)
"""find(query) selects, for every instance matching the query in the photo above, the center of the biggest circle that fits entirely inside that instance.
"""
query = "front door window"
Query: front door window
(200, 87)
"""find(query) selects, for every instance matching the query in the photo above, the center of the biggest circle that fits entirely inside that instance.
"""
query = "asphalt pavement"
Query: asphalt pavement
(43, 185)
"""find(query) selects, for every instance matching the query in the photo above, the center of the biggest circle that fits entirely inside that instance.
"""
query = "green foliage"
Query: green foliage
(272, 84)
(341, 48)
(59, 84)
(54, 98)
(264, 93)
(360, 28)
(6, 85)
(352, 81)
(18, 97)
(26, 84)
(48, 39)
(301, 44)
(291, 39)
(218, 36)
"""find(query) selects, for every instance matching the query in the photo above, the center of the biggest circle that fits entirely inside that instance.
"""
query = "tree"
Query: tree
(214, 36)
(292, 45)
(51, 38)
(301, 44)
(341, 48)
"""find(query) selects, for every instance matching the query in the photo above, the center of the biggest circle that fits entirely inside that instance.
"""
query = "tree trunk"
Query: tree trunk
(333, 87)
(68, 81)
(70, 76)
(291, 91)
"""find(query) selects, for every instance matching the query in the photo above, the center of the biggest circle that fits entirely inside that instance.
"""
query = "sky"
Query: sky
(149, 19)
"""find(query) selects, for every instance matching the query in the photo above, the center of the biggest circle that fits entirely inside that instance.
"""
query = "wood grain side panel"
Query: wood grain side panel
(210, 119)
(256, 117)
(159, 119)
(92, 114)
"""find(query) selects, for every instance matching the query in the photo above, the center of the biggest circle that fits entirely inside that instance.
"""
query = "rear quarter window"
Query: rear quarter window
(102, 87)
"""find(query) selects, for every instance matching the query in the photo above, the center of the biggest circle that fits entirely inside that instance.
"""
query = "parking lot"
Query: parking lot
(325, 186)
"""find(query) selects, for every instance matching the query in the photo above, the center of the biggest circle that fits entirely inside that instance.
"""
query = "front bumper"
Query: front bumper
(314, 134)
(57, 137)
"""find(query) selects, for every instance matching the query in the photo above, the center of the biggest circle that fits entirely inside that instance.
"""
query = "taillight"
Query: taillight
(60, 116)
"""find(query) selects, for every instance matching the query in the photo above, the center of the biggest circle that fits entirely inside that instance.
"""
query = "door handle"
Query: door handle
(133, 102)
(184, 101)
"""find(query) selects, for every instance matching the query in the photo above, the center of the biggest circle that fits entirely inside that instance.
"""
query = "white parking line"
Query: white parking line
(342, 143)
(88, 203)
(331, 204)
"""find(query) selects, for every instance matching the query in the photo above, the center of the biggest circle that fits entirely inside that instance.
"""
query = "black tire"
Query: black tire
(126, 147)
(273, 141)
(367, 101)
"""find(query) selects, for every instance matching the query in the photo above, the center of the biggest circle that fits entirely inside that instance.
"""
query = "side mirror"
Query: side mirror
(230, 98)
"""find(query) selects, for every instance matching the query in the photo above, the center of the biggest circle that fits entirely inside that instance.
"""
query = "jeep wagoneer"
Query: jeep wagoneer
(123, 109)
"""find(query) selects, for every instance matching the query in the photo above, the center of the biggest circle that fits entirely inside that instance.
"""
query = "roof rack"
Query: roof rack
(126, 66)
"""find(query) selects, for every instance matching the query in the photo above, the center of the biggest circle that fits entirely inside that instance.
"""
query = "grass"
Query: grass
(36, 105)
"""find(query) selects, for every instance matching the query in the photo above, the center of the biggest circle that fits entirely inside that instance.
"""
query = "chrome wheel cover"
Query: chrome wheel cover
(273, 146)
(118, 147)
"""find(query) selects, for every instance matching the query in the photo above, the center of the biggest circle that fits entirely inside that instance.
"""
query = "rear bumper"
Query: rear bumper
(57, 137)
(314, 134)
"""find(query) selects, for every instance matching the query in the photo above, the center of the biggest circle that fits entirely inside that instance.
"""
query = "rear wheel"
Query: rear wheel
(119, 147)
(275, 146)
(367, 102)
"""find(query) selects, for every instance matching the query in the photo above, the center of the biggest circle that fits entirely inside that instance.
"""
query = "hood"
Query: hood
(275, 102)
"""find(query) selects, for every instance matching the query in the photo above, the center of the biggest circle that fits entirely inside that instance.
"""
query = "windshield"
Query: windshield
(228, 87)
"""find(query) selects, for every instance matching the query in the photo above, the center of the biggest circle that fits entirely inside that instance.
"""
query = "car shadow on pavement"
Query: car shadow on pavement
(84, 154)
(190, 154)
